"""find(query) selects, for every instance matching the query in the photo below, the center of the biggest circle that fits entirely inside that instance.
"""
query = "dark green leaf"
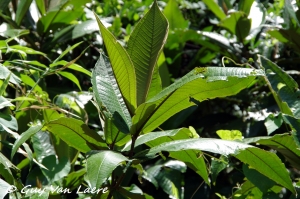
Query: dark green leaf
(23, 7)
(100, 165)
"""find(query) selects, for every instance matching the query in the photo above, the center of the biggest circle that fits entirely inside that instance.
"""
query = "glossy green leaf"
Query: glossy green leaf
(122, 65)
(34, 63)
(144, 46)
(283, 143)
(272, 123)
(107, 93)
(8, 121)
(223, 147)
(74, 179)
(230, 135)
(5, 72)
(23, 7)
(215, 8)
(4, 188)
(27, 50)
(6, 166)
(24, 137)
(216, 166)
(156, 85)
(289, 15)
(42, 145)
(71, 77)
(75, 67)
(100, 165)
(174, 16)
(245, 6)
(41, 6)
(268, 164)
(201, 84)
(76, 134)
(284, 88)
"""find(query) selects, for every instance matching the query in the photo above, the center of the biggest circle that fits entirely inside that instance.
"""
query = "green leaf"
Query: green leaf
(4, 188)
(283, 143)
(71, 77)
(4, 73)
(76, 134)
(27, 50)
(42, 145)
(30, 82)
(268, 164)
(238, 24)
(75, 67)
(284, 88)
(248, 190)
(174, 16)
(8, 121)
(24, 137)
(223, 147)
(5, 166)
(259, 180)
(41, 6)
(272, 123)
(100, 165)
(66, 51)
(144, 46)
(4, 102)
(3, 6)
(167, 178)
(23, 7)
(230, 135)
(215, 8)
(56, 168)
(216, 166)
(245, 6)
(198, 85)
(74, 179)
(107, 94)
(111, 132)
(4, 85)
(123, 68)
(289, 15)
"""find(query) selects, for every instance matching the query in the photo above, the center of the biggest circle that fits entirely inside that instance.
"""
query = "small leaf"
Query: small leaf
(100, 165)
(71, 77)
(230, 135)
(24, 137)
(76, 134)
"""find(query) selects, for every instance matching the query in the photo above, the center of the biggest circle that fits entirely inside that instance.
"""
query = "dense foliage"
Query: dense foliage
(149, 99)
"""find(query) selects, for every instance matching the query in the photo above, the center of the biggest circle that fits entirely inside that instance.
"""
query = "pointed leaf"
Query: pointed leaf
(107, 94)
(24, 137)
(223, 147)
(66, 51)
(4, 73)
(71, 77)
(268, 164)
(75, 67)
(198, 85)
(123, 68)
(215, 8)
(283, 143)
(100, 165)
(111, 132)
(23, 7)
(284, 87)
(144, 46)
(76, 134)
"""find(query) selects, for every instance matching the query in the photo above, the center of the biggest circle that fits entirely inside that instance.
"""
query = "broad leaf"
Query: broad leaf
(123, 68)
(215, 8)
(76, 134)
(272, 123)
(284, 87)
(198, 85)
(23, 7)
(107, 93)
(283, 143)
(144, 46)
(100, 165)
(268, 164)
(223, 147)
(4, 86)
(24, 137)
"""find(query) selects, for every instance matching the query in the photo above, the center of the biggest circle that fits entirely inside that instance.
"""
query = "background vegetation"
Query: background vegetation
(48, 49)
